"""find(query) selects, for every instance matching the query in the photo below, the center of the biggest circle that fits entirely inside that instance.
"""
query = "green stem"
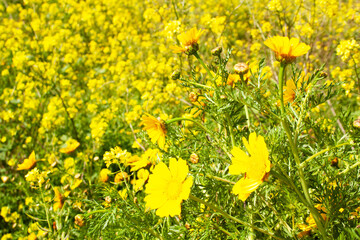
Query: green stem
(228, 120)
(215, 208)
(287, 227)
(281, 87)
(245, 106)
(303, 164)
(220, 179)
(46, 209)
(350, 168)
(203, 64)
(317, 217)
(198, 84)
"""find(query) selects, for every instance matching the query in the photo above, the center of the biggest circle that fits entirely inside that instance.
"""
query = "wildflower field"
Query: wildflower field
(168, 119)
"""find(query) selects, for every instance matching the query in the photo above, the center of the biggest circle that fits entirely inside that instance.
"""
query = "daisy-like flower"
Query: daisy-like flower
(58, 199)
(286, 50)
(155, 128)
(189, 42)
(255, 166)
(168, 187)
(28, 162)
(71, 145)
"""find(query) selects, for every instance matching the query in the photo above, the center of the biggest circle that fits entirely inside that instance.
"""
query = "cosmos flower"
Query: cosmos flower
(286, 50)
(254, 166)
(28, 162)
(189, 42)
(168, 187)
(156, 129)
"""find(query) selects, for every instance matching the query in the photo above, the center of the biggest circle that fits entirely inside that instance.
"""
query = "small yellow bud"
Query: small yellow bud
(193, 97)
(120, 177)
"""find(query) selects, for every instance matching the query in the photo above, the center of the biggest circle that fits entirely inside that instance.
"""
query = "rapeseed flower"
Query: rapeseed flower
(28, 162)
(189, 42)
(168, 187)
(156, 129)
(254, 166)
(286, 50)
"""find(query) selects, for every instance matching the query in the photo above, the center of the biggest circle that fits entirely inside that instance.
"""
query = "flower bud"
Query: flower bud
(120, 177)
(241, 68)
(335, 162)
(216, 51)
(323, 74)
(108, 199)
(79, 220)
(356, 123)
(175, 75)
(194, 158)
(191, 49)
(193, 97)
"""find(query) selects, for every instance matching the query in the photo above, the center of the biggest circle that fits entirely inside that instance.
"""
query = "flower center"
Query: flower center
(174, 189)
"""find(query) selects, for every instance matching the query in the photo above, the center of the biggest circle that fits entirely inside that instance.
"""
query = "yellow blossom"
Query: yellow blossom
(71, 145)
(286, 50)
(58, 199)
(155, 128)
(189, 41)
(255, 165)
(28, 162)
(168, 187)
(104, 174)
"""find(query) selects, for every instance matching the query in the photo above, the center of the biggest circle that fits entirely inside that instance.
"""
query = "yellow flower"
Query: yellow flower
(58, 199)
(71, 145)
(156, 129)
(286, 50)
(104, 174)
(255, 167)
(289, 91)
(168, 187)
(28, 162)
(142, 175)
(189, 42)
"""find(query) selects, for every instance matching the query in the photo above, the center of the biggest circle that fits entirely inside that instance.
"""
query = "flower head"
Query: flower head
(71, 145)
(58, 199)
(104, 174)
(189, 42)
(286, 50)
(156, 129)
(168, 187)
(28, 162)
(255, 167)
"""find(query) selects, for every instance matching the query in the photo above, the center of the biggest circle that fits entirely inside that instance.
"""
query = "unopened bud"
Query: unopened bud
(323, 74)
(335, 162)
(108, 199)
(356, 123)
(175, 75)
(216, 51)
(194, 158)
(193, 97)
(79, 220)
(120, 177)
(241, 68)
(193, 48)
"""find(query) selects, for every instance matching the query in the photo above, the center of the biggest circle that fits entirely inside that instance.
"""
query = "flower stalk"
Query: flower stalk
(224, 214)
(294, 149)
